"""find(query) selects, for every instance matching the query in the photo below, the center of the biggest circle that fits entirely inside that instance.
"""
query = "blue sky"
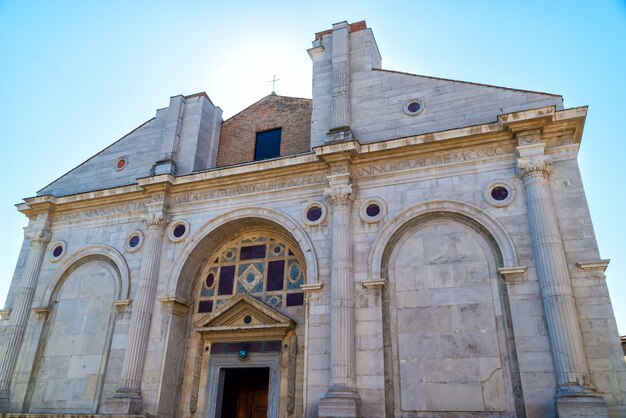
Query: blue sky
(77, 75)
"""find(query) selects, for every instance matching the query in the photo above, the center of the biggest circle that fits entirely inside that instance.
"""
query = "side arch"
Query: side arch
(106, 254)
(465, 211)
(186, 262)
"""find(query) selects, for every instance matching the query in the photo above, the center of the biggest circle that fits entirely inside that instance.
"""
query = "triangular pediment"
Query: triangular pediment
(244, 316)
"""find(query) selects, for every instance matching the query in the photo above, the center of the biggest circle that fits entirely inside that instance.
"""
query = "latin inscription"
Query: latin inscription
(92, 213)
(252, 188)
(430, 161)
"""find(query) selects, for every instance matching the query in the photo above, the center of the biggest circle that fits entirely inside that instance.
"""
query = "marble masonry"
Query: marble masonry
(397, 246)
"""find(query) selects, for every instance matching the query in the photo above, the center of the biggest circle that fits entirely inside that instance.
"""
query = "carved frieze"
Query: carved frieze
(99, 212)
(291, 374)
(250, 188)
(450, 158)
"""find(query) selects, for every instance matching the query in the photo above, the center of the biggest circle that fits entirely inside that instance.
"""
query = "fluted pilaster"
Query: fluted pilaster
(556, 289)
(341, 316)
(14, 331)
(341, 395)
(341, 76)
(132, 368)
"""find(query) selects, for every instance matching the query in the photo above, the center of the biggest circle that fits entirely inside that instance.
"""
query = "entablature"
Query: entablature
(493, 141)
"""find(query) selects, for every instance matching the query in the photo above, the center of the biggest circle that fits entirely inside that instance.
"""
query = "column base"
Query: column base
(340, 401)
(122, 403)
(4, 400)
(576, 405)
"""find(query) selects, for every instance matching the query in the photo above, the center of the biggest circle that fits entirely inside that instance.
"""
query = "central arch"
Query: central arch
(189, 350)
(215, 233)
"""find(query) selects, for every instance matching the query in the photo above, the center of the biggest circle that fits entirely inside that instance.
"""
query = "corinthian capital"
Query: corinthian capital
(339, 194)
(538, 165)
(40, 237)
(156, 221)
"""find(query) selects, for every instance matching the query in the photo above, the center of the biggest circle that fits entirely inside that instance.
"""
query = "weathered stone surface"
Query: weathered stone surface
(442, 304)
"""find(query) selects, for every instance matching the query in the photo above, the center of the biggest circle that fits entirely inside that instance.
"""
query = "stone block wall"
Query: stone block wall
(377, 96)
(141, 149)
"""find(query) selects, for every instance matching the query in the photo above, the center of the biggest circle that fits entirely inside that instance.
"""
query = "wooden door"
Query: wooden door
(252, 403)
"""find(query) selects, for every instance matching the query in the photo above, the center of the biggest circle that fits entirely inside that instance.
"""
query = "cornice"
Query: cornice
(552, 123)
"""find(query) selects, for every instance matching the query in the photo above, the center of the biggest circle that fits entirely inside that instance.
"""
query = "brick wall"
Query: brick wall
(238, 135)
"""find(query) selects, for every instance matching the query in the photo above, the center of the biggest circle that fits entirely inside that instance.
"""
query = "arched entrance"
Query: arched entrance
(242, 279)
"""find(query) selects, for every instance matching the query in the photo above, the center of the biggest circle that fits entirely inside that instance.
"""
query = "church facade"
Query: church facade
(396, 246)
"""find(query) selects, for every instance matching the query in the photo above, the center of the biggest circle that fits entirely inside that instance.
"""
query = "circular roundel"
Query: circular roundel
(134, 241)
(314, 213)
(373, 210)
(179, 230)
(210, 280)
(121, 163)
(58, 250)
(413, 107)
(499, 194)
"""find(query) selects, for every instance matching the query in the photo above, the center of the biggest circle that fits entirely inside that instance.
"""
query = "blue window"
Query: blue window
(267, 145)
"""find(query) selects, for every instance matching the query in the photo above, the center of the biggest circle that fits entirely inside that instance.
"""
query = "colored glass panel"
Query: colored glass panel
(274, 300)
(294, 278)
(205, 306)
(275, 275)
(210, 280)
(277, 250)
(227, 276)
(263, 267)
(218, 348)
(273, 346)
(295, 299)
(229, 256)
(252, 252)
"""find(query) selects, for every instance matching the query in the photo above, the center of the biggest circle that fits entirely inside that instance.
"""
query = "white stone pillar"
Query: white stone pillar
(342, 399)
(171, 137)
(14, 330)
(556, 289)
(341, 75)
(127, 399)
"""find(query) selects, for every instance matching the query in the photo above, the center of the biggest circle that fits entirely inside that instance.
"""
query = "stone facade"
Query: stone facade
(422, 247)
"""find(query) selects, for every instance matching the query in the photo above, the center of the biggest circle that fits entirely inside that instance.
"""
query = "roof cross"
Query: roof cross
(273, 81)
